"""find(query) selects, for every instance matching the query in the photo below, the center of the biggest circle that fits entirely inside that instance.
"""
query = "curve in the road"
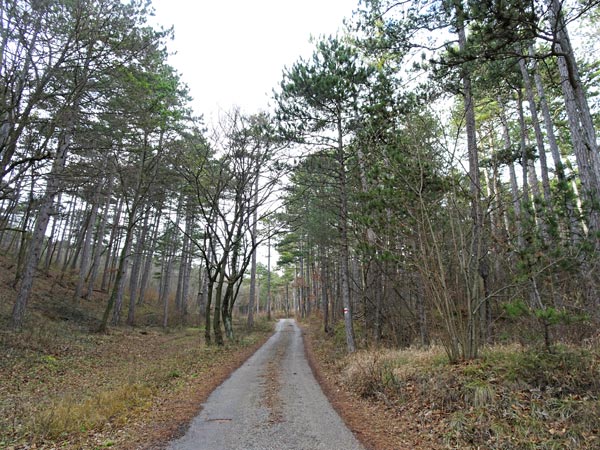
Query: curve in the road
(272, 402)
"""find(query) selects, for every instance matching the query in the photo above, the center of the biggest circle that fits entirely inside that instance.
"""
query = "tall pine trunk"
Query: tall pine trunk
(135, 269)
(252, 293)
(344, 248)
(86, 248)
(43, 217)
(476, 265)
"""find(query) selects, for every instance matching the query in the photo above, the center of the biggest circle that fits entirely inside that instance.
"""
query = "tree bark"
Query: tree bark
(135, 269)
(111, 245)
(539, 138)
(86, 248)
(476, 265)
(343, 228)
(43, 217)
(581, 124)
(252, 293)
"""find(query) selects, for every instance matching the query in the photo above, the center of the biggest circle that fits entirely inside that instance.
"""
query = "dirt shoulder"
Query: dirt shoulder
(171, 415)
(379, 424)
(375, 425)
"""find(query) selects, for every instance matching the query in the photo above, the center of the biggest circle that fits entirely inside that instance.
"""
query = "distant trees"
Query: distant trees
(458, 222)
(445, 180)
(106, 175)
(318, 105)
(233, 176)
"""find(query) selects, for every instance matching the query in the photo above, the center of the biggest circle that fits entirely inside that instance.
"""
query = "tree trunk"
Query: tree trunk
(86, 248)
(217, 312)
(209, 296)
(135, 269)
(226, 310)
(539, 138)
(475, 268)
(43, 217)
(583, 134)
(52, 239)
(111, 245)
(324, 288)
(252, 293)
(23, 241)
(269, 276)
(514, 186)
(118, 287)
(83, 228)
(149, 258)
(188, 254)
(344, 251)
(572, 225)
(99, 247)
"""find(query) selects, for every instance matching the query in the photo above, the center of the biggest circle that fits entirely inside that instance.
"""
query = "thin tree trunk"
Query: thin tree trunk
(218, 302)
(52, 238)
(524, 162)
(324, 288)
(476, 265)
(119, 286)
(269, 276)
(210, 282)
(149, 258)
(539, 138)
(84, 228)
(135, 270)
(23, 241)
(99, 247)
(344, 251)
(252, 293)
(85, 252)
(67, 225)
(514, 186)
(111, 245)
(187, 266)
(555, 152)
(43, 217)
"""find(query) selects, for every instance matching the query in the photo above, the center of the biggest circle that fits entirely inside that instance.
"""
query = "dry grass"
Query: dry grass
(66, 416)
(511, 398)
(64, 386)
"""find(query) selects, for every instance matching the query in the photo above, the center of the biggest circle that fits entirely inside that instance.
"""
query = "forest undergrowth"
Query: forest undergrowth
(512, 397)
(63, 385)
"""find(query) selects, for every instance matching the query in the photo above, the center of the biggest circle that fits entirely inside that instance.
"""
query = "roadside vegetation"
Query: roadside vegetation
(63, 385)
(511, 397)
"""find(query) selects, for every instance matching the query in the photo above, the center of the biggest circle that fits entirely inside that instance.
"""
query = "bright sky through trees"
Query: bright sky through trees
(233, 52)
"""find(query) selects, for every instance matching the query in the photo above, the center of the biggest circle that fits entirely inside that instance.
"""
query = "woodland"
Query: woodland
(429, 177)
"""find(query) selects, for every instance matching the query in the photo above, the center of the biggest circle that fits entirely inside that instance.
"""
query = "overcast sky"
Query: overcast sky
(232, 52)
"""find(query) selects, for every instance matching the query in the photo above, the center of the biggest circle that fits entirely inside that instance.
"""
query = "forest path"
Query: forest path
(272, 402)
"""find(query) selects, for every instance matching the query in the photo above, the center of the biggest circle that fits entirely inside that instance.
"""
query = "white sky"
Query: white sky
(232, 52)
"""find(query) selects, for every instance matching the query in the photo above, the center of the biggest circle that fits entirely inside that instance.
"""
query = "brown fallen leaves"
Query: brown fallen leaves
(377, 426)
(271, 375)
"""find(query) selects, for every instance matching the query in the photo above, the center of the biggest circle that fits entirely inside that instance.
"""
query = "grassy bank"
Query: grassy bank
(64, 386)
(511, 398)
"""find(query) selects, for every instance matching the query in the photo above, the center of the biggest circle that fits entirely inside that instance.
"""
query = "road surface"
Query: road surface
(272, 402)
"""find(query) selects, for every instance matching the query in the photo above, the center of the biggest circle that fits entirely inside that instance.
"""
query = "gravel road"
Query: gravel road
(272, 402)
